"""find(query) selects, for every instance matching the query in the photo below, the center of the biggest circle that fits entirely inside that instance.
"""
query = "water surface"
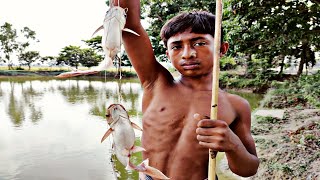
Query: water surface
(51, 128)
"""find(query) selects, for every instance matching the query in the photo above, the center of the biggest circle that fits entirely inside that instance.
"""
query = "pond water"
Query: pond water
(51, 128)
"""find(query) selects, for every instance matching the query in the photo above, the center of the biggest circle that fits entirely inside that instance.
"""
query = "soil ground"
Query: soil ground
(288, 148)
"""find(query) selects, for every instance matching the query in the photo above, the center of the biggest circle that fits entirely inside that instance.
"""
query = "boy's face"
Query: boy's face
(192, 54)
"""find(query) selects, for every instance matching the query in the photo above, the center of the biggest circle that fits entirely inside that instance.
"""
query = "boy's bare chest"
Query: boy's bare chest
(170, 129)
(169, 116)
(176, 108)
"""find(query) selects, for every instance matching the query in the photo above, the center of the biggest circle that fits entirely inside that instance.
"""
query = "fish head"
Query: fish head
(117, 15)
(114, 112)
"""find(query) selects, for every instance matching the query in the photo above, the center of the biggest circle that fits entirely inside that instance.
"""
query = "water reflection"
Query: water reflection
(52, 125)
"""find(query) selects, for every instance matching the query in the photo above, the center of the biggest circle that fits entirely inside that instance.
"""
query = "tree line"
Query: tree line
(262, 35)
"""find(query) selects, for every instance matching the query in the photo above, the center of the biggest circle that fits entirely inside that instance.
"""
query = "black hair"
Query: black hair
(200, 22)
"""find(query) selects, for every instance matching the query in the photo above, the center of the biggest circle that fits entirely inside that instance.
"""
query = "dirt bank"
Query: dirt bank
(289, 148)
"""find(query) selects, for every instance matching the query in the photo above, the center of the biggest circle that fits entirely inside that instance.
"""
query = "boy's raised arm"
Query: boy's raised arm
(139, 48)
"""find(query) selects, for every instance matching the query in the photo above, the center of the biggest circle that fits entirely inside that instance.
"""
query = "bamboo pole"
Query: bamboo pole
(215, 83)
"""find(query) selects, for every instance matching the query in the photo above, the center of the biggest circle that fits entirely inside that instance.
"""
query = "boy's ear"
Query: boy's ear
(224, 48)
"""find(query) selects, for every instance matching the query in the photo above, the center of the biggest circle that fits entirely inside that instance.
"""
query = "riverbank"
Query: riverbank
(287, 142)
(52, 73)
(288, 147)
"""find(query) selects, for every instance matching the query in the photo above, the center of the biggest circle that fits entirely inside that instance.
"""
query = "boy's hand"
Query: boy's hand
(215, 134)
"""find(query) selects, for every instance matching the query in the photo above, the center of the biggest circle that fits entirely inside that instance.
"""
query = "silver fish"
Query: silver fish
(113, 26)
(122, 131)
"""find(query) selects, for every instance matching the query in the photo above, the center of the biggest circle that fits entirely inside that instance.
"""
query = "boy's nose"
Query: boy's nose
(188, 52)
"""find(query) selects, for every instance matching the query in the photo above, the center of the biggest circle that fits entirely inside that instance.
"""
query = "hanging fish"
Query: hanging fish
(122, 131)
(113, 25)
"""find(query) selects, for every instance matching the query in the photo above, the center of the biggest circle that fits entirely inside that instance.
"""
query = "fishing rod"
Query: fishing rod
(215, 83)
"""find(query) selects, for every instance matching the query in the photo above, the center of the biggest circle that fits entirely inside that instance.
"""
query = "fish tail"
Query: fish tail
(146, 169)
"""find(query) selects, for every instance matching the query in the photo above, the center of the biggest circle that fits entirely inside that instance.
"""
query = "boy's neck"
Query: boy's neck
(203, 83)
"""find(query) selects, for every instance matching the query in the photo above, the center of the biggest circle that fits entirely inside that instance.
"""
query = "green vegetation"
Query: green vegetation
(303, 92)
(74, 56)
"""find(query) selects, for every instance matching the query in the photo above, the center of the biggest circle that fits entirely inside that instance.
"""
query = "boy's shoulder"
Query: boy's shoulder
(234, 97)
(237, 102)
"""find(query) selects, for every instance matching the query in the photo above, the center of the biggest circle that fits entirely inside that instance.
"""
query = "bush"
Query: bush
(227, 63)
(303, 92)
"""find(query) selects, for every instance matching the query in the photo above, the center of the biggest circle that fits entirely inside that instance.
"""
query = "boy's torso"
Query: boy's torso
(169, 135)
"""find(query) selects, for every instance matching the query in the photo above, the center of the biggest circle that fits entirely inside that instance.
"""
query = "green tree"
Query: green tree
(89, 58)
(27, 58)
(12, 42)
(70, 55)
(95, 43)
(8, 36)
(272, 30)
(24, 42)
(74, 56)
(50, 60)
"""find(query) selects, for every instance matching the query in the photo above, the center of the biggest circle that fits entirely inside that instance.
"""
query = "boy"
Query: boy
(176, 140)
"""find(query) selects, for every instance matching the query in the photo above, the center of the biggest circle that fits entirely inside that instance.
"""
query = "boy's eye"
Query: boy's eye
(200, 44)
(176, 47)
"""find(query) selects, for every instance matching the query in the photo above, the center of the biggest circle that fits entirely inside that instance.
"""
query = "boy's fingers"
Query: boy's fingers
(203, 121)
(206, 123)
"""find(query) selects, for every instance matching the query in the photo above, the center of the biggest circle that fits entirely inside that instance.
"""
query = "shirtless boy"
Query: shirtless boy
(176, 143)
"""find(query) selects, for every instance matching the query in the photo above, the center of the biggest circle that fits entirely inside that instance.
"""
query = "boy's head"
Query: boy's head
(200, 22)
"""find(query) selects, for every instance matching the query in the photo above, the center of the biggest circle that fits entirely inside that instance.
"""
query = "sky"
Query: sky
(57, 23)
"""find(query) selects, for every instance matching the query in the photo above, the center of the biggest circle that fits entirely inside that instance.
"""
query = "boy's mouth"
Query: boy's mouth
(190, 65)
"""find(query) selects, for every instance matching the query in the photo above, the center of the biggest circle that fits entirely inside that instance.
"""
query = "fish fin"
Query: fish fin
(130, 31)
(99, 28)
(135, 149)
(135, 126)
(105, 64)
(139, 168)
(151, 171)
(106, 134)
